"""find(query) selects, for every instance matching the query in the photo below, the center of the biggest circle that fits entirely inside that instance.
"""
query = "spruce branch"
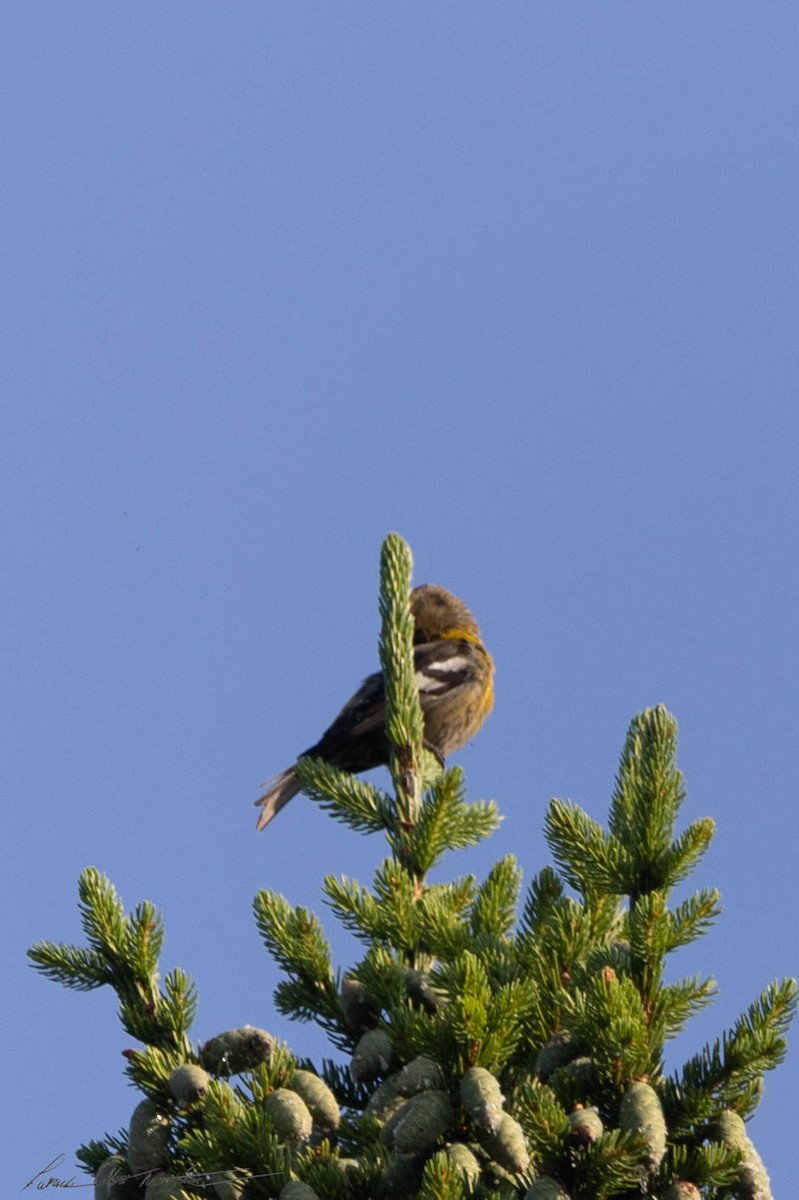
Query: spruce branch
(397, 892)
(649, 929)
(442, 1180)
(143, 935)
(609, 1167)
(180, 1001)
(493, 909)
(693, 918)
(73, 966)
(466, 985)
(359, 805)
(649, 788)
(404, 724)
(294, 938)
(711, 1165)
(237, 1136)
(589, 859)
(448, 822)
(680, 859)
(444, 932)
(615, 1023)
(676, 1003)
(729, 1073)
(92, 1154)
(102, 914)
(384, 978)
(543, 896)
(544, 1120)
(355, 907)
(123, 953)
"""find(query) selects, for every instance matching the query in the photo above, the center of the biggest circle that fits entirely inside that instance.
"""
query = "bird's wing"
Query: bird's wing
(441, 668)
(364, 711)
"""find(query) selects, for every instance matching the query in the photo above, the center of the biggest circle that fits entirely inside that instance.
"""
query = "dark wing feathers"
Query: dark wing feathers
(441, 667)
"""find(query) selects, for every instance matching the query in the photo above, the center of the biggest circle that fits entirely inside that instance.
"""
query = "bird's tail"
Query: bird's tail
(279, 790)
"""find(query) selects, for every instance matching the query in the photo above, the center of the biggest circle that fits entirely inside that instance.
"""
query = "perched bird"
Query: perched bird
(454, 672)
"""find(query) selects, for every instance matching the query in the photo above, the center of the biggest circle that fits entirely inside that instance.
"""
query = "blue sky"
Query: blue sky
(518, 281)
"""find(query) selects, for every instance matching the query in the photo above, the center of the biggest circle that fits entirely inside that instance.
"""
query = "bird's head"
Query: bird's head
(438, 614)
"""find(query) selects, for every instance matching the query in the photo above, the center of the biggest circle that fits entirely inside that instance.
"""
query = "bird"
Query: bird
(455, 677)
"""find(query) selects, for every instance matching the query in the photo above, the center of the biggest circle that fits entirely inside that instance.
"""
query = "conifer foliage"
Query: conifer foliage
(479, 1051)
